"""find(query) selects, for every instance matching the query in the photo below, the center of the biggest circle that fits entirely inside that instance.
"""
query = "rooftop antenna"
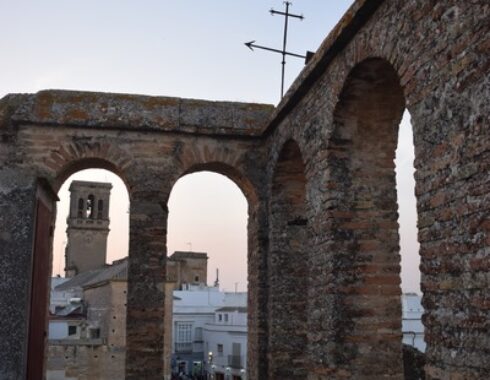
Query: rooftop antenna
(216, 283)
(284, 52)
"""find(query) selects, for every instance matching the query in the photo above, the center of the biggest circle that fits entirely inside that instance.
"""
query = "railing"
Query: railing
(183, 347)
(235, 361)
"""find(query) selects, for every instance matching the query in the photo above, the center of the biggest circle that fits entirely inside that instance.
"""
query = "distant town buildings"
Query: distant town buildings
(209, 332)
(87, 312)
(412, 327)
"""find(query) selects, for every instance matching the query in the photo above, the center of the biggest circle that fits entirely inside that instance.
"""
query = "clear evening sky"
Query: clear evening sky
(182, 48)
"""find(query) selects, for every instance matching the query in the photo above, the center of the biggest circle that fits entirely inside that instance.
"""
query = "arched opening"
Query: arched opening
(100, 209)
(207, 232)
(287, 267)
(90, 212)
(87, 307)
(365, 228)
(81, 208)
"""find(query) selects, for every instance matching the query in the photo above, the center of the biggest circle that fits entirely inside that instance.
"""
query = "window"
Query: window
(90, 206)
(220, 349)
(80, 208)
(226, 317)
(184, 332)
(220, 317)
(100, 209)
(198, 334)
(72, 330)
(196, 279)
(94, 333)
(183, 337)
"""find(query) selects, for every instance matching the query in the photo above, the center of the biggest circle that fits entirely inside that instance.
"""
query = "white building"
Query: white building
(199, 328)
(58, 298)
(226, 342)
(412, 327)
(192, 309)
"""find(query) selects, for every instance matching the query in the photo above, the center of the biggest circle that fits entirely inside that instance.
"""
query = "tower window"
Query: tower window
(80, 208)
(90, 206)
(100, 209)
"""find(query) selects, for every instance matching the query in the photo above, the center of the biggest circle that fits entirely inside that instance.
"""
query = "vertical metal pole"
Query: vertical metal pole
(284, 46)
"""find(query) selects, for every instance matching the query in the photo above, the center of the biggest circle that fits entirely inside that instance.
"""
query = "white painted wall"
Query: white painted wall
(412, 327)
(58, 298)
(58, 330)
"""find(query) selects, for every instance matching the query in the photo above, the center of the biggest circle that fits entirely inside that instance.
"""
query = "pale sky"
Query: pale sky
(184, 48)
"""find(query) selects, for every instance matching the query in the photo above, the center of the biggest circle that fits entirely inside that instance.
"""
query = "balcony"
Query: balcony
(183, 347)
(235, 361)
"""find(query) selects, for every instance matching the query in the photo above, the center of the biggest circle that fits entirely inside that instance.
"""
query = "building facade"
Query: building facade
(226, 343)
(209, 332)
(412, 326)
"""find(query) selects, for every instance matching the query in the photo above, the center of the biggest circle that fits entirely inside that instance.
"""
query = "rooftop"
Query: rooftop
(90, 184)
(180, 255)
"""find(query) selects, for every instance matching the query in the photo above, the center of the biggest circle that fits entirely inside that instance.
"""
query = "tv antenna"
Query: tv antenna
(284, 52)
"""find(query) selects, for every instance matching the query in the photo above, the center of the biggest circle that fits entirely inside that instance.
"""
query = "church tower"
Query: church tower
(88, 227)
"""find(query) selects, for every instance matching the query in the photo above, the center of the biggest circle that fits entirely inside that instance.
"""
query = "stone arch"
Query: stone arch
(363, 219)
(79, 155)
(71, 167)
(218, 158)
(236, 176)
(219, 162)
(287, 266)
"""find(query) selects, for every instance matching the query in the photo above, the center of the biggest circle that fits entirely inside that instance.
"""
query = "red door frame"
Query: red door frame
(45, 208)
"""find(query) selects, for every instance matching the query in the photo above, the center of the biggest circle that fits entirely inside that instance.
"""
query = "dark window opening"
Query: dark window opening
(80, 208)
(72, 330)
(100, 209)
(95, 333)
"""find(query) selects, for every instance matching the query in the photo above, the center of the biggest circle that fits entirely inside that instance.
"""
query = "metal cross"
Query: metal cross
(284, 53)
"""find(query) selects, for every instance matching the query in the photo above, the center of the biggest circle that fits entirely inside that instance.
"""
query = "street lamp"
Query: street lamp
(228, 370)
(243, 374)
(210, 364)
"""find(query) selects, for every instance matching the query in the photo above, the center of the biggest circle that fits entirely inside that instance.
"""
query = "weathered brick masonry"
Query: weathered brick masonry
(318, 174)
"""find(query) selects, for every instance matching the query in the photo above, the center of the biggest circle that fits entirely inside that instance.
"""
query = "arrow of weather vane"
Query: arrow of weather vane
(284, 52)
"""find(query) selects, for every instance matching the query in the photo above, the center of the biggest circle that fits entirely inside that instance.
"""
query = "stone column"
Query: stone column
(258, 243)
(18, 199)
(146, 284)
(17, 202)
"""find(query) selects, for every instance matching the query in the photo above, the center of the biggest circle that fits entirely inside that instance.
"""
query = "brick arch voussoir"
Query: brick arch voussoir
(74, 156)
(200, 154)
(278, 149)
(363, 48)
(218, 159)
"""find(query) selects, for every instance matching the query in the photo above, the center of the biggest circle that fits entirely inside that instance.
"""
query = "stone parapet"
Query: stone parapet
(139, 112)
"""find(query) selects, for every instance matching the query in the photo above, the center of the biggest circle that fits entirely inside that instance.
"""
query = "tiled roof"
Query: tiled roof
(117, 271)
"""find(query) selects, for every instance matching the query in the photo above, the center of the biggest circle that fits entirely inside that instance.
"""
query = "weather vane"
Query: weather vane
(284, 52)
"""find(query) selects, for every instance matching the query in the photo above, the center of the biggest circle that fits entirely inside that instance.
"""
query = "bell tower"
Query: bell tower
(88, 227)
